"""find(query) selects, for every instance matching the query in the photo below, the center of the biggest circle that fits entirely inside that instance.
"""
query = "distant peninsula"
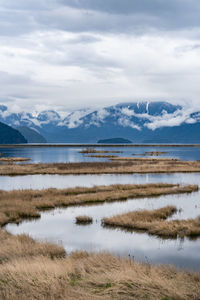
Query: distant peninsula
(114, 141)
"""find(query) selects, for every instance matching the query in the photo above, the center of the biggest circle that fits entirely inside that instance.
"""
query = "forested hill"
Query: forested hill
(8, 135)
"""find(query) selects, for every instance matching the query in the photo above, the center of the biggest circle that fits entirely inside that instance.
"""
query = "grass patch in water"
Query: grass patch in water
(118, 165)
(91, 150)
(155, 222)
(23, 204)
(83, 220)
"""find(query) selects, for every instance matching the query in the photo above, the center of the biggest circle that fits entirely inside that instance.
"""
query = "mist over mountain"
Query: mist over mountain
(31, 135)
(142, 122)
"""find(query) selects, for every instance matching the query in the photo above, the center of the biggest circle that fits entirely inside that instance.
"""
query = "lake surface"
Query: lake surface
(59, 225)
(71, 154)
(8, 183)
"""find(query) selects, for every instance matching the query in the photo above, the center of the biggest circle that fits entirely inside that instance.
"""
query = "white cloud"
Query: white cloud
(74, 119)
(170, 120)
(127, 123)
(76, 54)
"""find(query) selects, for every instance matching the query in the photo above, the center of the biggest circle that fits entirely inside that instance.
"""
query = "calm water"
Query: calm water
(59, 225)
(71, 154)
(64, 181)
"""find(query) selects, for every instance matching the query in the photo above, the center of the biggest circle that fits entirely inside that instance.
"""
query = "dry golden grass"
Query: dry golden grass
(18, 205)
(94, 276)
(154, 222)
(155, 153)
(102, 156)
(33, 270)
(83, 220)
(146, 159)
(13, 159)
(118, 166)
(91, 150)
(150, 153)
(22, 246)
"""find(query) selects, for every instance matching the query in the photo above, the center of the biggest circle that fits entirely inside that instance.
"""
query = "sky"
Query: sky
(71, 54)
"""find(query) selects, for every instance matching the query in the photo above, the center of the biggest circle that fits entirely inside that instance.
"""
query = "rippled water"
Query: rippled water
(59, 225)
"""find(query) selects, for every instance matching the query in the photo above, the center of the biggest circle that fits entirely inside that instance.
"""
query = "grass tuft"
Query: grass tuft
(154, 222)
(83, 220)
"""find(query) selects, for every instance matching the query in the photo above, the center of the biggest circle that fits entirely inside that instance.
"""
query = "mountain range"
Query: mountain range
(142, 122)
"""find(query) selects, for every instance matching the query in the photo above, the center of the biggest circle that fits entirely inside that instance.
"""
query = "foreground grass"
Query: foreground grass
(22, 246)
(118, 166)
(93, 276)
(154, 222)
(35, 270)
(18, 205)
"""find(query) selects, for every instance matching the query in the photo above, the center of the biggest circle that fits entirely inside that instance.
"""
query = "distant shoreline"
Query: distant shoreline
(94, 145)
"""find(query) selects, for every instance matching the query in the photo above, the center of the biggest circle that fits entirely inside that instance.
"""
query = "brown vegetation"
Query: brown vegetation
(13, 159)
(18, 205)
(155, 153)
(35, 270)
(93, 276)
(22, 246)
(91, 150)
(151, 153)
(83, 220)
(118, 166)
(154, 222)
(146, 159)
(102, 156)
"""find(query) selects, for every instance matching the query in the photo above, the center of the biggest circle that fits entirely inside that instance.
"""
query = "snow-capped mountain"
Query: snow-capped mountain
(140, 122)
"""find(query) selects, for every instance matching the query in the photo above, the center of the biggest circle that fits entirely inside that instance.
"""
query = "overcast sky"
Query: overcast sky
(68, 54)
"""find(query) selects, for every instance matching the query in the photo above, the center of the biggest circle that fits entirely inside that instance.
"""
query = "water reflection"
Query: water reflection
(71, 154)
(59, 226)
(65, 181)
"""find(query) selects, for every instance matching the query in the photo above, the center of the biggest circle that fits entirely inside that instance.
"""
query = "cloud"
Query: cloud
(183, 115)
(170, 120)
(67, 54)
(125, 122)
(137, 17)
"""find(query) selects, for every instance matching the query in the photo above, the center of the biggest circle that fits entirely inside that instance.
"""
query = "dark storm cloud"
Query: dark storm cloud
(28, 4)
(131, 6)
(168, 13)
(125, 16)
